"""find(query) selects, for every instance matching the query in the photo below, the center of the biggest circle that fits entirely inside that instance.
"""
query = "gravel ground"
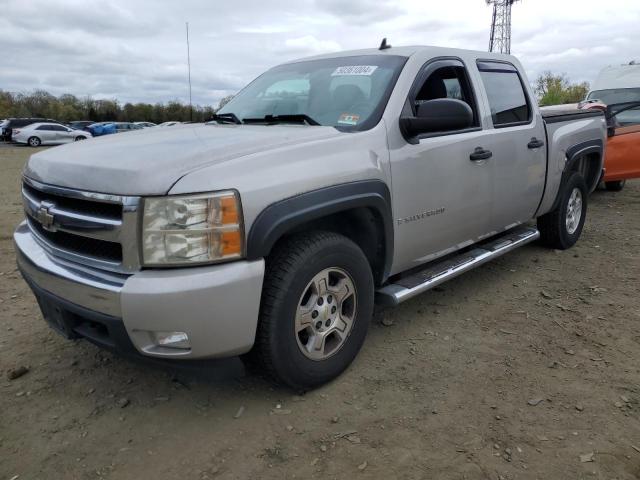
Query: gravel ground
(525, 368)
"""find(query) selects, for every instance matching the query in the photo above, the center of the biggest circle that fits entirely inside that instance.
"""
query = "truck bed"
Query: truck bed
(568, 131)
(565, 114)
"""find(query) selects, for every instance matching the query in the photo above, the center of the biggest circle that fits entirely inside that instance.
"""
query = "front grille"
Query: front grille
(92, 229)
(76, 244)
(106, 210)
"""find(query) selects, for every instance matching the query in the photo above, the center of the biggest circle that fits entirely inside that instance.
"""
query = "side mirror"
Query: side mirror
(440, 115)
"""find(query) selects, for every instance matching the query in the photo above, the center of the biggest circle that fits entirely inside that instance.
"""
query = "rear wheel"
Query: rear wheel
(316, 307)
(34, 141)
(615, 186)
(562, 227)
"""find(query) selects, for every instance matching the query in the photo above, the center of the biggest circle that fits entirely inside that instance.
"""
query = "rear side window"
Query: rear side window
(506, 95)
(45, 127)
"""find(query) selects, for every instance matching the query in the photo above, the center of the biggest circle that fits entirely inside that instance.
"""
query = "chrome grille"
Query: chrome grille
(93, 229)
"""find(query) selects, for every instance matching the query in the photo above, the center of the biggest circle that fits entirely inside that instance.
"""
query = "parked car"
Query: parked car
(168, 124)
(99, 129)
(617, 91)
(145, 124)
(3, 123)
(274, 229)
(80, 124)
(12, 123)
(126, 126)
(38, 134)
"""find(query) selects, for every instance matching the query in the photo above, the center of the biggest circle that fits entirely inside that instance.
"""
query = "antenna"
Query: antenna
(500, 39)
(189, 70)
(384, 45)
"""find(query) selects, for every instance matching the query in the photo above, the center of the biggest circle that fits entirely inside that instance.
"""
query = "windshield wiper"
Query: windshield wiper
(292, 118)
(226, 118)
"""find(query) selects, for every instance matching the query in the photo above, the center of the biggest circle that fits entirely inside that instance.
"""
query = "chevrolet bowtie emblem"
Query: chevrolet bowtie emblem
(44, 215)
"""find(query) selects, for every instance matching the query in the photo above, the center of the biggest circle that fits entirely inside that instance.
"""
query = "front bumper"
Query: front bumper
(216, 306)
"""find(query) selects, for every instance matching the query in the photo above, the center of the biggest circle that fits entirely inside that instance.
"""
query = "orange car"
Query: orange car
(622, 158)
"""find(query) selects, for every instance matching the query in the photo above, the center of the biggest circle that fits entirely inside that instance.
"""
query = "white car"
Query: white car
(145, 124)
(168, 124)
(38, 134)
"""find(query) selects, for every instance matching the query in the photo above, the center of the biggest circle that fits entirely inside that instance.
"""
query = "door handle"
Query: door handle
(535, 143)
(480, 154)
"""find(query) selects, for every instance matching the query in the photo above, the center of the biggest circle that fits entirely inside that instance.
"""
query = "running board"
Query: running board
(438, 273)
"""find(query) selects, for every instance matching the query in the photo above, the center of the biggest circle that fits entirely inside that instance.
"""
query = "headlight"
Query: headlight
(179, 230)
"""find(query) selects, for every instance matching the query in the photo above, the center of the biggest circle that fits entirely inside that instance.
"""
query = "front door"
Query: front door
(519, 146)
(623, 146)
(441, 190)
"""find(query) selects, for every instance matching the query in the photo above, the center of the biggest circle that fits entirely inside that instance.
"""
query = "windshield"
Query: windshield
(349, 93)
(615, 96)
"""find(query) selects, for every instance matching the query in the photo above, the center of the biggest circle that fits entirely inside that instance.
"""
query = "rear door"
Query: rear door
(441, 196)
(518, 142)
(46, 133)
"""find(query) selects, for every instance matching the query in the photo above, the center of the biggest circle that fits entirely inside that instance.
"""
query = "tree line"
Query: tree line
(67, 108)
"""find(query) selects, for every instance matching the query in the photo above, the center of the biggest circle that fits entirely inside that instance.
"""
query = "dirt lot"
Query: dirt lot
(525, 368)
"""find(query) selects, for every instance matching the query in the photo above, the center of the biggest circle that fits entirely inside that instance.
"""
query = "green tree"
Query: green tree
(554, 89)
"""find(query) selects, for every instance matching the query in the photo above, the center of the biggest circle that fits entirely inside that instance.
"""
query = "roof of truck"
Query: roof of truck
(406, 51)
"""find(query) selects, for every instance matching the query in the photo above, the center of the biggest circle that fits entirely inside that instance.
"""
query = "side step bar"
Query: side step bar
(438, 273)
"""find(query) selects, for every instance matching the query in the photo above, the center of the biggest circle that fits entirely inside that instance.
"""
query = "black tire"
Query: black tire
(554, 232)
(289, 270)
(615, 186)
(79, 137)
(34, 142)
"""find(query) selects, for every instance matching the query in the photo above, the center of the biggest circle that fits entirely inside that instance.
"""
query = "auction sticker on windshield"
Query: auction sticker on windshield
(366, 70)
(348, 119)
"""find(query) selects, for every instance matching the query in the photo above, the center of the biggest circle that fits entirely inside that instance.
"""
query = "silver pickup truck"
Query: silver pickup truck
(326, 185)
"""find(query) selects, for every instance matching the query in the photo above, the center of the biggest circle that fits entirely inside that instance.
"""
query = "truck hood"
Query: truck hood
(150, 161)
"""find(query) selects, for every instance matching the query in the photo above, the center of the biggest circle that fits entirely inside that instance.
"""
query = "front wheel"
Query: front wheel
(561, 228)
(316, 307)
(34, 142)
(79, 138)
(615, 186)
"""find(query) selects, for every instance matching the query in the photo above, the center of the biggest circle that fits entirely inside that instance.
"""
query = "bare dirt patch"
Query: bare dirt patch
(525, 368)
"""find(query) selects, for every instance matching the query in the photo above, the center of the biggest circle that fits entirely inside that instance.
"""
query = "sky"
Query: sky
(135, 50)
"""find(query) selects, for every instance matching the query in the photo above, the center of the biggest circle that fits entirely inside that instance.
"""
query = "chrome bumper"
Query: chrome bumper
(217, 306)
(82, 286)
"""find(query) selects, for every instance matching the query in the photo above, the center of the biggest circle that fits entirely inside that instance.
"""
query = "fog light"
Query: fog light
(178, 340)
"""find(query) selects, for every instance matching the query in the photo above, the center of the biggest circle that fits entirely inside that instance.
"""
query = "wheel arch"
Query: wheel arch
(586, 158)
(359, 210)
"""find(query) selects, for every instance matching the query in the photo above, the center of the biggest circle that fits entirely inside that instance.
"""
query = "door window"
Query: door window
(506, 95)
(450, 81)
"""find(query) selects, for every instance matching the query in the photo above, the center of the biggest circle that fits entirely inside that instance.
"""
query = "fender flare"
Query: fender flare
(285, 215)
(573, 154)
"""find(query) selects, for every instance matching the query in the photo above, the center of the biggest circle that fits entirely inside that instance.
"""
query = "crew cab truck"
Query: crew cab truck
(325, 185)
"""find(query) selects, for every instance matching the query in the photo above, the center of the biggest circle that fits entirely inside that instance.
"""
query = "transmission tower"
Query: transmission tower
(500, 40)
